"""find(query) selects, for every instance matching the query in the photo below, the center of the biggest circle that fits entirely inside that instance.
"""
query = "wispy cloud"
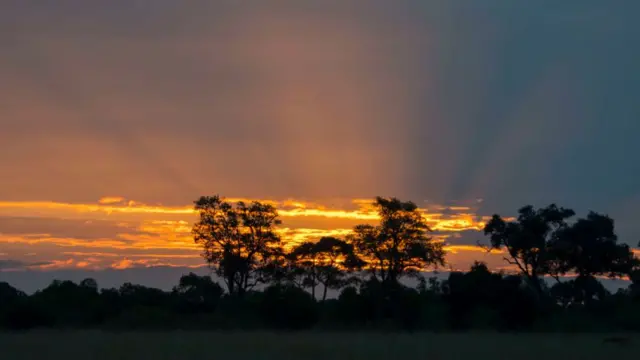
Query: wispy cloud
(117, 233)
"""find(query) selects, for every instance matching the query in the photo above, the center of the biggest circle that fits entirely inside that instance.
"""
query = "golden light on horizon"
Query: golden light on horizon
(118, 233)
(131, 233)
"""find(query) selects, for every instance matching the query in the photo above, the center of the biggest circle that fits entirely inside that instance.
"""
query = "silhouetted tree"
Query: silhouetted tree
(143, 307)
(66, 303)
(288, 307)
(111, 301)
(276, 266)
(9, 294)
(89, 284)
(527, 240)
(133, 295)
(590, 248)
(400, 244)
(238, 241)
(326, 262)
(562, 293)
(15, 312)
(349, 309)
(469, 293)
(197, 293)
(486, 299)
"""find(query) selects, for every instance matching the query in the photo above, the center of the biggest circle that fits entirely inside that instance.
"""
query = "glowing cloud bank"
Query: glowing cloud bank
(118, 233)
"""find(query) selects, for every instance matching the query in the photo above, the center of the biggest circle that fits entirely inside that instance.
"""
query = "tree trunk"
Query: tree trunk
(535, 282)
(324, 293)
(392, 279)
(230, 285)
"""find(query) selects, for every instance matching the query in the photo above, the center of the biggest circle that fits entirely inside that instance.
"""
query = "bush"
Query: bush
(288, 307)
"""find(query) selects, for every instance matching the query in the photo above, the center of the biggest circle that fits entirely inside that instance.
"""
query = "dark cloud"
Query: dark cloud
(9, 264)
(36, 227)
(467, 237)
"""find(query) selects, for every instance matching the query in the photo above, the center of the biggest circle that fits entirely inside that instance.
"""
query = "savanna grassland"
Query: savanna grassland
(263, 345)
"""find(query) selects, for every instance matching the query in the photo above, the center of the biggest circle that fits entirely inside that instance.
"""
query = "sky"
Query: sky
(115, 116)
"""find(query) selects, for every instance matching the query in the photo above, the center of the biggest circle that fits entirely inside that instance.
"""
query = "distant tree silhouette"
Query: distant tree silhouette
(349, 309)
(326, 262)
(589, 248)
(90, 284)
(9, 294)
(489, 300)
(132, 295)
(276, 266)
(14, 311)
(400, 244)
(112, 304)
(634, 287)
(528, 239)
(69, 304)
(563, 293)
(143, 307)
(470, 292)
(197, 293)
(238, 241)
(285, 306)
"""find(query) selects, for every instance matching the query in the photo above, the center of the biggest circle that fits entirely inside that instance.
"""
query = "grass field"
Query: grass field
(334, 346)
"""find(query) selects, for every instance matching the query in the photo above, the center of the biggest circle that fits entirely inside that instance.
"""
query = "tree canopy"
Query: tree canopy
(326, 262)
(238, 241)
(400, 245)
(527, 240)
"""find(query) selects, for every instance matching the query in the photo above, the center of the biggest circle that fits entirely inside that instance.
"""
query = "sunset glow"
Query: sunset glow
(115, 117)
(118, 233)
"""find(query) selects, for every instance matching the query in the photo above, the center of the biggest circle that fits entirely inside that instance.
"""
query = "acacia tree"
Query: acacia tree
(302, 261)
(528, 240)
(326, 262)
(238, 241)
(590, 248)
(400, 244)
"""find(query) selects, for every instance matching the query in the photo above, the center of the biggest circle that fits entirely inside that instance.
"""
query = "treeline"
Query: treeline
(268, 286)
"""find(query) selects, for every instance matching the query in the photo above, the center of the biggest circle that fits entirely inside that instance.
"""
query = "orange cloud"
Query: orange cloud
(454, 249)
(110, 200)
(154, 235)
(122, 264)
(286, 209)
(56, 264)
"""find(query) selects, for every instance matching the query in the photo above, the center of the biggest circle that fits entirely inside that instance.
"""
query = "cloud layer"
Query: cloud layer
(115, 233)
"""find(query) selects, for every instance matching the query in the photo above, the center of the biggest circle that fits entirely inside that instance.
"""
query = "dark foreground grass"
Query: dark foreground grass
(327, 346)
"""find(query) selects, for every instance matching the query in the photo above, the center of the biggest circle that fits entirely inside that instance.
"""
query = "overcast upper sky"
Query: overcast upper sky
(448, 102)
